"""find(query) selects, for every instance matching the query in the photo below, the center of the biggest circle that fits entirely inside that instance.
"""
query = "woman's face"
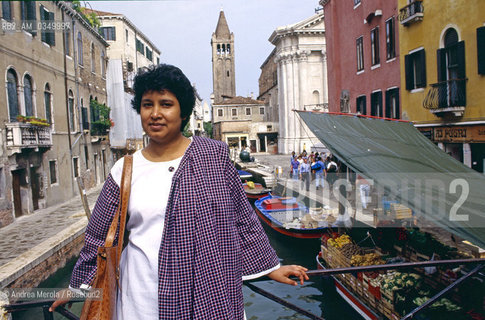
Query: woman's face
(160, 116)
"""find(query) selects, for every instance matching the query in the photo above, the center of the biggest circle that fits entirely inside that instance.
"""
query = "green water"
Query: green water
(316, 296)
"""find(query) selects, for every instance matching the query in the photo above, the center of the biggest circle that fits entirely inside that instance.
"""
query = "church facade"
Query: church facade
(300, 55)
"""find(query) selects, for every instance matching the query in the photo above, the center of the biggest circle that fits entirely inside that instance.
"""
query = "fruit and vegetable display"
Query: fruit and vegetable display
(340, 241)
(443, 303)
(394, 281)
(369, 259)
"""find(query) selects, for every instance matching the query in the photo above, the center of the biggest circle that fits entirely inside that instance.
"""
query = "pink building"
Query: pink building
(363, 57)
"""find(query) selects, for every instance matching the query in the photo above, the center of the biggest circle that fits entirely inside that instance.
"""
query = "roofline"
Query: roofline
(124, 18)
(73, 13)
(293, 28)
(272, 54)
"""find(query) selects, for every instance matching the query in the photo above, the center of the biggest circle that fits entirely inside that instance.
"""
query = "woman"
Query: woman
(193, 237)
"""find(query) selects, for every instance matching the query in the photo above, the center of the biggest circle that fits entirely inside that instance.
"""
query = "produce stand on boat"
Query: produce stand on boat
(392, 294)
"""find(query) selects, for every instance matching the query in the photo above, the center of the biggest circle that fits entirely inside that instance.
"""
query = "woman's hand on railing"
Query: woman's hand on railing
(284, 272)
(64, 297)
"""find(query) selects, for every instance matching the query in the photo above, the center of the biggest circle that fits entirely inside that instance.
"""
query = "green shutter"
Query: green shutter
(481, 50)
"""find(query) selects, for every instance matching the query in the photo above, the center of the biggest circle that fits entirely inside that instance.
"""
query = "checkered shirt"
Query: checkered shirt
(211, 238)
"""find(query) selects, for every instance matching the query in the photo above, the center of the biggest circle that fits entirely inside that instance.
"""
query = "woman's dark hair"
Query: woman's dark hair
(165, 77)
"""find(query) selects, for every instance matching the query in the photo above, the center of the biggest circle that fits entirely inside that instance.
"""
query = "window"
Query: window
(6, 10)
(70, 105)
(47, 36)
(356, 2)
(48, 103)
(376, 104)
(12, 91)
(392, 103)
(108, 33)
(390, 39)
(415, 68)
(228, 49)
(28, 96)
(28, 16)
(140, 47)
(103, 64)
(79, 48)
(93, 61)
(220, 112)
(261, 110)
(86, 156)
(361, 103)
(84, 116)
(67, 42)
(234, 112)
(374, 45)
(75, 166)
(158, 61)
(360, 53)
(126, 35)
(149, 54)
(53, 170)
(481, 50)
(248, 111)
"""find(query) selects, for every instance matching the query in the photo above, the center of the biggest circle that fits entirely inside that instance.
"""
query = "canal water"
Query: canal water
(316, 296)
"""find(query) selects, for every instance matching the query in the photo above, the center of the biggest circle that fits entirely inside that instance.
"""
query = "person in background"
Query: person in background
(319, 168)
(332, 169)
(305, 174)
(193, 237)
(295, 164)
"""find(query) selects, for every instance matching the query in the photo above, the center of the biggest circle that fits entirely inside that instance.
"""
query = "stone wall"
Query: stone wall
(49, 266)
(6, 217)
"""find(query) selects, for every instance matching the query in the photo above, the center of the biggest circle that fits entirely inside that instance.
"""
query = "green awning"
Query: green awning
(413, 170)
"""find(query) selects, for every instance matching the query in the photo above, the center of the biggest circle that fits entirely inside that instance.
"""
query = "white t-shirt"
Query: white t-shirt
(150, 188)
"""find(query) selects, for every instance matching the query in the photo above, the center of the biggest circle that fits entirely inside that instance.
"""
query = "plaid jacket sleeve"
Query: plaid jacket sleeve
(257, 254)
(95, 235)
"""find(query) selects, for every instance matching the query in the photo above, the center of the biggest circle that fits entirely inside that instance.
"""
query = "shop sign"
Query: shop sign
(463, 134)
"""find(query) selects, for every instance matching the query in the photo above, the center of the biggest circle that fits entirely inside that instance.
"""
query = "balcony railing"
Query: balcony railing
(447, 97)
(25, 135)
(411, 13)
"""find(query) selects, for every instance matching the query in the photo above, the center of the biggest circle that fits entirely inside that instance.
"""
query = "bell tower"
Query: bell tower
(223, 71)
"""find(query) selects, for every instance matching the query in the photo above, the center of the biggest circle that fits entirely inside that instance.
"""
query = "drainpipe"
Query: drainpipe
(67, 90)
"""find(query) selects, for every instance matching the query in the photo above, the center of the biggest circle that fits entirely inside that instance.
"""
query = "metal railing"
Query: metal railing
(446, 94)
(26, 135)
(411, 12)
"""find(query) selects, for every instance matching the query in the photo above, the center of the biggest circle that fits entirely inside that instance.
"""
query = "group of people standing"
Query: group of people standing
(304, 167)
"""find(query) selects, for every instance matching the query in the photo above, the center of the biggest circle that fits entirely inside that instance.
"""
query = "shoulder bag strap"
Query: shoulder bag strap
(120, 216)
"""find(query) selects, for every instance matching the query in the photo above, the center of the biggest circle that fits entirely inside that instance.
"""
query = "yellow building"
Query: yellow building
(443, 74)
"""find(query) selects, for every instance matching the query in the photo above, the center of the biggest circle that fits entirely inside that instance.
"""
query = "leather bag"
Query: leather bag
(108, 259)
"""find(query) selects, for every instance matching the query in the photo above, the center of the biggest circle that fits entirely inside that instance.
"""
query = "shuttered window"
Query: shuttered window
(376, 104)
(392, 103)
(28, 16)
(361, 104)
(47, 32)
(415, 68)
(481, 50)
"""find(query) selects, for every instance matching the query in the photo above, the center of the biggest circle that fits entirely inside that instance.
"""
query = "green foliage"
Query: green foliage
(91, 18)
(100, 121)
(208, 128)
(187, 133)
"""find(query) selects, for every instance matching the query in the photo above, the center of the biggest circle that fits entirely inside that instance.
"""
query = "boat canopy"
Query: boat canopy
(399, 160)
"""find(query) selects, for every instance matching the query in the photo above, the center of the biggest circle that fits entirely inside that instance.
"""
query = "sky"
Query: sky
(182, 31)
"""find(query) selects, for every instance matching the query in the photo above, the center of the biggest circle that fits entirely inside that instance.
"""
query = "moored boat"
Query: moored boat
(289, 217)
(255, 191)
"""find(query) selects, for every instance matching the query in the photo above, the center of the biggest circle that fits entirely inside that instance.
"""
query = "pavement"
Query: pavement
(30, 238)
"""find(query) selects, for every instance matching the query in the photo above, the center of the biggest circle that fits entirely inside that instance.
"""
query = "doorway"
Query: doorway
(17, 177)
(36, 187)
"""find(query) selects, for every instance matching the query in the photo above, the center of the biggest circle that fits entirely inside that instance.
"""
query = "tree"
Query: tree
(208, 129)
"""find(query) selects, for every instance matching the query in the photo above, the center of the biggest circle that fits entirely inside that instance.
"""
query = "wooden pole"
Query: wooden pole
(405, 265)
(84, 198)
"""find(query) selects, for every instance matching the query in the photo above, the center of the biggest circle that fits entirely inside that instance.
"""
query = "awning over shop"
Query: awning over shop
(409, 167)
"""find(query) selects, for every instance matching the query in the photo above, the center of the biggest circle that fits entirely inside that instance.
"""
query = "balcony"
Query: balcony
(447, 98)
(411, 13)
(26, 135)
